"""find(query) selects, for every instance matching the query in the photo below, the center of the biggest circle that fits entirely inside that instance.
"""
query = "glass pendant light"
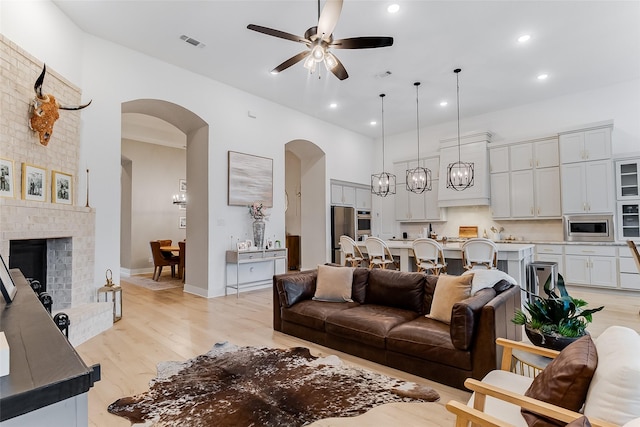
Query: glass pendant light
(384, 183)
(419, 178)
(459, 174)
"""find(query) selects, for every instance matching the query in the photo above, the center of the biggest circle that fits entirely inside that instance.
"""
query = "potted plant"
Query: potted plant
(555, 321)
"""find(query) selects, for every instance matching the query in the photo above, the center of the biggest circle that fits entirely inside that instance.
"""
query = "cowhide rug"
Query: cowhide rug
(248, 386)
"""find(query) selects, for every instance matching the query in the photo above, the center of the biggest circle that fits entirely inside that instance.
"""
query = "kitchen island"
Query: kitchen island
(513, 258)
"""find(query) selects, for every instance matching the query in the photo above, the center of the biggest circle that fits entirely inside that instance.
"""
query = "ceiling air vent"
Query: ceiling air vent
(192, 41)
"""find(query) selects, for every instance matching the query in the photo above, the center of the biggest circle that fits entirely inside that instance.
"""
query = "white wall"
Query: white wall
(110, 75)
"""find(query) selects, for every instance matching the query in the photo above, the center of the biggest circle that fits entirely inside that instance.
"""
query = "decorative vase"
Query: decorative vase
(258, 233)
(548, 341)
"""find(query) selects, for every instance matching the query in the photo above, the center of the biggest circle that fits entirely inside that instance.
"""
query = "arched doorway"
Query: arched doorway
(197, 142)
(305, 186)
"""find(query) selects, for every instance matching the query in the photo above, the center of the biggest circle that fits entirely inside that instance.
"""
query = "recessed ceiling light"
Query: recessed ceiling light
(444, 103)
(543, 76)
(524, 38)
(393, 8)
(373, 123)
(333, 105)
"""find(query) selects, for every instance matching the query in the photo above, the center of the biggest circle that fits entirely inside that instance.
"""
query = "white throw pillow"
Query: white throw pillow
(334, 284)
(487, 278)
(614, 393)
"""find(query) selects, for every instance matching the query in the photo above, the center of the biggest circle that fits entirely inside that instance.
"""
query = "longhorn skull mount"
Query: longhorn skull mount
(44, 110)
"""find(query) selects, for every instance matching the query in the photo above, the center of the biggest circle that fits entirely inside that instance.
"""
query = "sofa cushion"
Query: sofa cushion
(313, 314)
(360, 279)
(334, 284)
(565, 381)
(614, 394)
(297, 287)
(449, 290)
(465, 317)
(430, 340)
(487, 278)
(396, 289)
(430, 283)
(367, 324)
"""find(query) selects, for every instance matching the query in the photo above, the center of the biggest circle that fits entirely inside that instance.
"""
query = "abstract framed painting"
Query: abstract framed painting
(34, 183)
(250, 180)
(61, 188)
(7, 181)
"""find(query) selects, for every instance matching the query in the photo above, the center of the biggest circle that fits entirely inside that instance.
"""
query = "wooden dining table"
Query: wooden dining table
(170, 248)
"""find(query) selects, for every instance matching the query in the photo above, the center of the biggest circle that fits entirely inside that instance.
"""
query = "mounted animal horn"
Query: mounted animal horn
(44, 110)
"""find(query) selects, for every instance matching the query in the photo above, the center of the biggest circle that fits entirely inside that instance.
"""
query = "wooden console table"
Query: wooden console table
(249, 257)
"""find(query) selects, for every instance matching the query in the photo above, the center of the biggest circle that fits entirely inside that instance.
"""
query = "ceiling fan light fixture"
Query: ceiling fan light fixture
(418, 179)
(310, 64)
(459, 174)
(330, 61)
(318, 53)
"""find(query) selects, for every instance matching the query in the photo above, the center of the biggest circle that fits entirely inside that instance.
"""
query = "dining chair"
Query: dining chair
(159, 260)
(429, 256)
(181, 268)
(352, 253)
(379, 253)
(479, 253)
(166, 242)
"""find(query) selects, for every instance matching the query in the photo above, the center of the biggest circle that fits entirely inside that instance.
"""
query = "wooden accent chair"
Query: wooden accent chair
(159, 260)
(429, 256)
(352, 253)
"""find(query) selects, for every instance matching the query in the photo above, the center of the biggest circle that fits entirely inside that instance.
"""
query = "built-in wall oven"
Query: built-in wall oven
(363, 224)
(588, 228)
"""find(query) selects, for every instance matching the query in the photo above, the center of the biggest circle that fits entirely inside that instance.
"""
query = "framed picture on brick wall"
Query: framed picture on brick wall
(61, 188)
(34, 181)
(7, 183)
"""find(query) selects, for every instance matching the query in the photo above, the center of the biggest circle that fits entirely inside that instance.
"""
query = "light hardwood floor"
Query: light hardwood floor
(172, 325)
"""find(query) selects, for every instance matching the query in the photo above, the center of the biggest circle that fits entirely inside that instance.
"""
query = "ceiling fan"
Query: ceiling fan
(319, 40)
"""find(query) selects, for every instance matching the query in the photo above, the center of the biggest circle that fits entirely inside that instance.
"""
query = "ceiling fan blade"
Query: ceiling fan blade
(291, 61)
(329, 18)
(339, 71)
(362, 42)
(277, 33)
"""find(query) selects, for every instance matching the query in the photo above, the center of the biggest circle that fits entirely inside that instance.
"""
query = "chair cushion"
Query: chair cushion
(487, 279)
(449, 290)
(565, 381)
(334, 284)
(614, 394)
(501, 409)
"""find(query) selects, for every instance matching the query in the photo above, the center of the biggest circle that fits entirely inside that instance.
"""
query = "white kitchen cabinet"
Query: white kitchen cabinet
(546, 153)
(521, 156)
(343, 195)
(628, 219)
(629, 276)
(499, 159)
(363, 198)
(587, 187)
(472, 152)
(591, 265)
(433, 212)
(414, 207)
(547, 191)
(587, 145)
(522, 194)
(500, 195)
(551, 253)
(628, 179)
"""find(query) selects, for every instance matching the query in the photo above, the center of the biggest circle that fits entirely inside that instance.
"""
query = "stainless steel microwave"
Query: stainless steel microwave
(588, 228)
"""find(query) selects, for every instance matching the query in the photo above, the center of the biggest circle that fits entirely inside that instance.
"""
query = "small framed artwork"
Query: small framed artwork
(7, 287)
(61, 188)
(182, 185)
(34, 180)
(242, 246)
(248, 244)
(6, 178)
(182, 222)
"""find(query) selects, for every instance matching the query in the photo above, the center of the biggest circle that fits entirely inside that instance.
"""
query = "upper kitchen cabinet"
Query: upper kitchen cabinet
(412, 207)
(587, 187)
(473, 149)
(363, 198)
(499, 159)
(343, 195)
(628, 179)
(586, 144)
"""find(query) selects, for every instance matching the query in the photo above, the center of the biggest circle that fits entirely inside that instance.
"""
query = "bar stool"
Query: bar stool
(479, 253)
(429, 256)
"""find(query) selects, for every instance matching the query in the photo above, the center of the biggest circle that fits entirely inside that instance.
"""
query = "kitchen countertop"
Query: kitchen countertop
(529, 242)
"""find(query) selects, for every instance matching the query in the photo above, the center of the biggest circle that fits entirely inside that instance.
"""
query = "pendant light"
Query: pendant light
(459, 174)
(418, 179)
(383, 183)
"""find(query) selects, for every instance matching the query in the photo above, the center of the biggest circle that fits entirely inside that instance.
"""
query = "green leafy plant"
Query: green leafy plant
(556, 314)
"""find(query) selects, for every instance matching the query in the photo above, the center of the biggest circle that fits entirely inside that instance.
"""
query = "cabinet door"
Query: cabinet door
(628, 220)
(577, 269)
(363, 198)
(522, 204)
(598, 186)
(500, 203)
(597, 144)
(573, 191)
(521, 156)
(402, 195)
(433, 163)
(546, 153)
(348, 195)
(603, 271)
(572, 147)
(336, 194)
(499, 159)
(628, 179)
(432, 211)
(547, 184)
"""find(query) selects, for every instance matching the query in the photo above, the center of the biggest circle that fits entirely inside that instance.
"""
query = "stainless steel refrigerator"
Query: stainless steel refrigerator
(342, 223)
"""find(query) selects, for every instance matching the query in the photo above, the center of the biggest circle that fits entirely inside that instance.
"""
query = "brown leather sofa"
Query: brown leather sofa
(386, 322)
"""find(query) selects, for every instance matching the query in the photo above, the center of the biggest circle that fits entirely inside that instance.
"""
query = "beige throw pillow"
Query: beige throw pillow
(334, 284)
(449, 290)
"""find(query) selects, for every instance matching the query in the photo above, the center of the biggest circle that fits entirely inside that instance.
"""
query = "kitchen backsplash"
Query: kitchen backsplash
(538, 230)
